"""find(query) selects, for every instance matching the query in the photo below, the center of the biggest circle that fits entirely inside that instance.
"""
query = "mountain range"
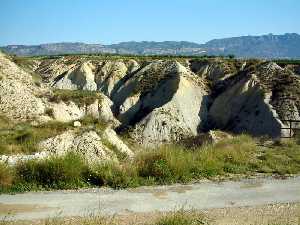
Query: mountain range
(265, 46)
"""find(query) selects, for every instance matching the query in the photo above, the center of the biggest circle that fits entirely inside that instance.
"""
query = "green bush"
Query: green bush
(113, 175)
(55, 172)
(166, 165)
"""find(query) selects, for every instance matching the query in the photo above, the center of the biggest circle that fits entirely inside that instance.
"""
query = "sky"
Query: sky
(112, 21)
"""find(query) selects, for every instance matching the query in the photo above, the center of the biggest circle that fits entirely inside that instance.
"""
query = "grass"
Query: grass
(56, 172)
(79, 97)
(166, 165)
(4, 122)
(24, 138)
(179, 217)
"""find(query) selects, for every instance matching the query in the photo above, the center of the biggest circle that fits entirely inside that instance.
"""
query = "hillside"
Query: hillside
(148, 98)
(265, 46)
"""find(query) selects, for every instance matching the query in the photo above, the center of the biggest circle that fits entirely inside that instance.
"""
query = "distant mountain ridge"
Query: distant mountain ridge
(55, 49)
(265, 46)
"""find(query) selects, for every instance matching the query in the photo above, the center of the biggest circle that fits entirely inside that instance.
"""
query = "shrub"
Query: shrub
(55, 172)
(166, 165)
(49, 112)
(113, 175)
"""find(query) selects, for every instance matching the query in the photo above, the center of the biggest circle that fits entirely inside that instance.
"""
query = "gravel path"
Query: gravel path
(201, 196)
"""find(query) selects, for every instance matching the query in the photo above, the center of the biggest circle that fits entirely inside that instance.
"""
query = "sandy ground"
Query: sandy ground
(272, 214)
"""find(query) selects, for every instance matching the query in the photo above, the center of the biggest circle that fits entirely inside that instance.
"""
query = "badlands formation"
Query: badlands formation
(152, 102)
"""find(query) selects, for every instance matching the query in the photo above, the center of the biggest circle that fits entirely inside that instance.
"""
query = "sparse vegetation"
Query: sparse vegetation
(24, 137)
(27, 64)
(96, 124)
(179, 217)
(120, 155)
(182, 218)
(49, 112)
(79, 97)
(166, 165)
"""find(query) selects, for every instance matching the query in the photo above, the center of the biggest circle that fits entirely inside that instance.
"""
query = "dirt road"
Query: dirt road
(201, 196)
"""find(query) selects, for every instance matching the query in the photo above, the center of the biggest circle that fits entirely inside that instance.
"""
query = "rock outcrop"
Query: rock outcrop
(163, 102)
(69, 111)
(103, 75)
(216, 70)
(81, 78)
(52, 70)
(253, 102)
(92, 145)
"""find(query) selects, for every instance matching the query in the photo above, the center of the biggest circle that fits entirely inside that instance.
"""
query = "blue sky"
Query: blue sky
(112, 21)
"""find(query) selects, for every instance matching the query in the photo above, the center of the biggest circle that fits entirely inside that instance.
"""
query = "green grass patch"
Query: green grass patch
(56, 172)
(79, 97)
(62, 172)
